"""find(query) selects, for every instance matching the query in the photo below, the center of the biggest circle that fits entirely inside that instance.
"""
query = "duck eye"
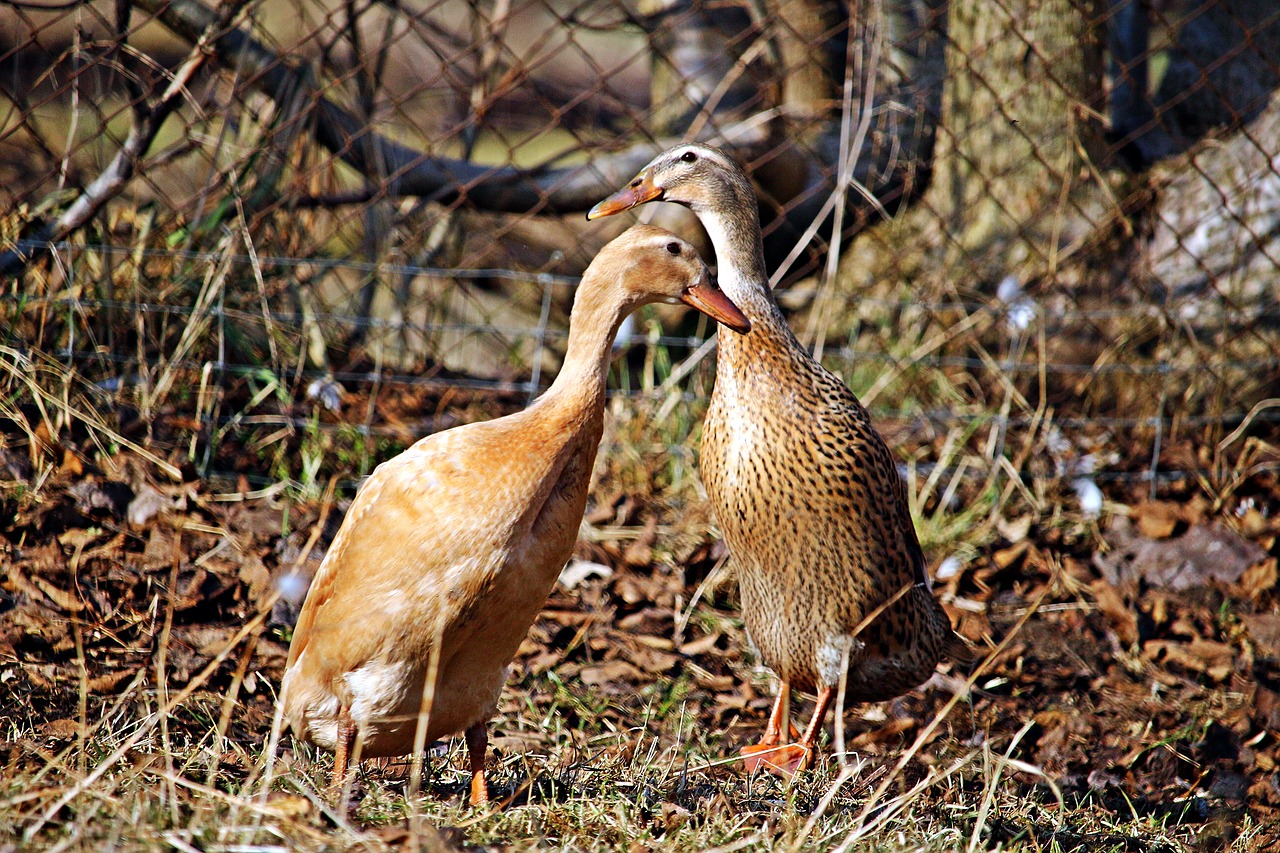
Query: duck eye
(673, 248)
(688, 156)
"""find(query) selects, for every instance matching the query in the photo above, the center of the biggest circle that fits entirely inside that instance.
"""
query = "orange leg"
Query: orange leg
(779, 717)
(759, 754)
(477, 742)
(342, 750)
(791, 758)
(809, 740)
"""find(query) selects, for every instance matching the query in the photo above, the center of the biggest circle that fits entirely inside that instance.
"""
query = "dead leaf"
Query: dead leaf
(159, 548)
(254, 574)
(62, 729)
(886, 734)
(1205, 554)
(1120, 617)
(717, 683)
(673, 816)
(1214, 659)
(43, 443)
(107, 682)
(660, 643)
(207, 640)
(1006, 556)
(66, 600)
(71, 465)
(1157, 519)
(1264, 630)
(1259, 578)
(650, 620)
(287, 805)
(652, 660)
(602, 674)
(702, 645)
(640, 552)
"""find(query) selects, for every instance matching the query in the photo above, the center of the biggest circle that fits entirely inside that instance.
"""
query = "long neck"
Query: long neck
(733, 225)
(579, 387)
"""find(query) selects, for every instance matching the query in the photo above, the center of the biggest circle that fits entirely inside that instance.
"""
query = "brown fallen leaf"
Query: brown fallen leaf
(63, 729)
(1005, 557)
(1157, 519)
(1264, 630)
(650, 620)
(1120, 617)
(207, 640)
(889, 733)
(65, 600)
(1204, 554)
(71, 465)
(701, 645)
(652, 660)
(605, 673)
(710, 681)
(287, 805)
(1261, 577)
(107, 682)
(640, 552)
(660, 643)
(254, 574)
(1214, 659)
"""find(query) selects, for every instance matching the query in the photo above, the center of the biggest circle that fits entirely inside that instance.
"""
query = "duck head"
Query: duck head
(654, 265)
(700, 177)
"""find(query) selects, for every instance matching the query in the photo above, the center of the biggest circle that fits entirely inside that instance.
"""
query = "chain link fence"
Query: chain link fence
(1041, 238)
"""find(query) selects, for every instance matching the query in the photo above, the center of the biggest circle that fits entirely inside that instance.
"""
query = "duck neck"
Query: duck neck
(579, 387)
(734, 229)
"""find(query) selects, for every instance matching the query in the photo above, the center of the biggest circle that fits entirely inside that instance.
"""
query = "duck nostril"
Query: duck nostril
(635, 183)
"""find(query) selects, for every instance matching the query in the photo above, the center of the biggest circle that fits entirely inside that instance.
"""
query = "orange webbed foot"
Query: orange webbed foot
(784, 760)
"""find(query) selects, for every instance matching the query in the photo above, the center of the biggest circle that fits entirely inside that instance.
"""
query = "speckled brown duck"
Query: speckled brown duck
(805, 490)
(449, 549)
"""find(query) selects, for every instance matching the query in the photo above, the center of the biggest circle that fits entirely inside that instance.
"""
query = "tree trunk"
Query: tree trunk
(1021, 107)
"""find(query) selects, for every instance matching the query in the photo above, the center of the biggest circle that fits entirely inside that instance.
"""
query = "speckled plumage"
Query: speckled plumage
(450, 549)
(805, 490)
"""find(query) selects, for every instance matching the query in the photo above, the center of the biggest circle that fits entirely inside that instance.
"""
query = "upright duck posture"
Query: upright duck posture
(806, 492)
(450, 549)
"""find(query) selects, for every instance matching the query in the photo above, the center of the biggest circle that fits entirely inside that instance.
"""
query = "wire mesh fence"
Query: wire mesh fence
(1044, 231)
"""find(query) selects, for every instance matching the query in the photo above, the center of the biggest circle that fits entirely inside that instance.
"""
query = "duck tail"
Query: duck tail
(958, 650)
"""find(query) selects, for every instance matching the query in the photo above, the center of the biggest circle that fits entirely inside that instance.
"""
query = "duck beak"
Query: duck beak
(640, 190)
(705, 295)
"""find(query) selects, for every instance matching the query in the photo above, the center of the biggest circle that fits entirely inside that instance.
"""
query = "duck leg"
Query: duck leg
(477, 743)
(759, 754)
(342, 749)
(792, 758)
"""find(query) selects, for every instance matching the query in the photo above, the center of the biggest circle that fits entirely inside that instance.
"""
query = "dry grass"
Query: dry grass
(162, 768)
(994, 425)
(147, 775)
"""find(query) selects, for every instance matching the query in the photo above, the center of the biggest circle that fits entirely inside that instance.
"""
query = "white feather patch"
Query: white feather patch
(376, 690)
(833, 657)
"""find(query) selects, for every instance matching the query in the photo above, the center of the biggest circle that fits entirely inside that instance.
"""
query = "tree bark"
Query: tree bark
(1021, 112)
(858, 83)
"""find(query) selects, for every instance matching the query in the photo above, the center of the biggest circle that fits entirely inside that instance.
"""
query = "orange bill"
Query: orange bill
(707, 297)
(640, 190)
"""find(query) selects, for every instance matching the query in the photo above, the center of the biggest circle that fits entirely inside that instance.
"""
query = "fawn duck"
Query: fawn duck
(449, 550)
